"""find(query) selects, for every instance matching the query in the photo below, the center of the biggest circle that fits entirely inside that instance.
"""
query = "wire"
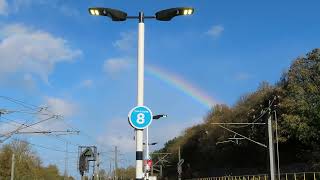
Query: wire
(39, 110)
(50, 135)
(263, 145)
(33, 107)
(24, 126)
(265, 110)
(21, 103)
(31, 113)
(44, 147)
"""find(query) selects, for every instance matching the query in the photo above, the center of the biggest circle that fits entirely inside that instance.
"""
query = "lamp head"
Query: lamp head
(114, 14)
(168, 14)
(159, 116)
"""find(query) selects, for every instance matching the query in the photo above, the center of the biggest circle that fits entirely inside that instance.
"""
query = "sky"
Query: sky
(57, 58)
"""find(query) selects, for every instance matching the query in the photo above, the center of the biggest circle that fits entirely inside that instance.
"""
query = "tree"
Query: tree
(27, 163)
(299, 127)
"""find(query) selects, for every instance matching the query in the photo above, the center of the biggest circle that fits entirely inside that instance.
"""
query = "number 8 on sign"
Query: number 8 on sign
(140, 117)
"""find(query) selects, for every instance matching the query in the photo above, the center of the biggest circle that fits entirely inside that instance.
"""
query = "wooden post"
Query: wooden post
(304, 176)
(314, 176)
(295, 176)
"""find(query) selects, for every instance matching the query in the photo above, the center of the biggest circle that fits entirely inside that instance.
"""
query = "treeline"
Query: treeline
(208, 151)
(27, 163)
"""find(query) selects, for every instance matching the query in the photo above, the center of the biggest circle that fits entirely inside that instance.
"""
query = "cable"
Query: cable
(50, 135)
(21, 103)
(27, 126)
(265, 110)
(44, 147)
(41, 109)
(31, 113)
(32, 107)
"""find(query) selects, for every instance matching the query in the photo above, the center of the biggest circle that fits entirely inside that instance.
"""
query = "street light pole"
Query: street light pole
(118, 15)
(139, 132)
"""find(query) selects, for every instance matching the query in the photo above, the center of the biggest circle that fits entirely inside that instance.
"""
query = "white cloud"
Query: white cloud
(215, 31)
(23, 49)
(53, 106)
(115, 65)
(23, 81)
(29, 82)
(3, 7)
(127, 42)
(6, 128)
(60, 106)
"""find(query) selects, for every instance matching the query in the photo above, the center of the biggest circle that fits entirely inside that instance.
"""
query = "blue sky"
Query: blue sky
(53, 53)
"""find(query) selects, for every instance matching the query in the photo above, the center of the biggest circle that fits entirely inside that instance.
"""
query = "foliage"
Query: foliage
(126, 173)
(297, 106)
(27, 163)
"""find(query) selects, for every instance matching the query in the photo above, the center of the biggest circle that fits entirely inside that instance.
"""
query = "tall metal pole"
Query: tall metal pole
(140, 97)
(66, 163)
(271, 150)
(115, 162)
(12, 167)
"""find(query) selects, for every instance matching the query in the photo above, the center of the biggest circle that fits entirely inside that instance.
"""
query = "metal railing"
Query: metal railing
(283, 176)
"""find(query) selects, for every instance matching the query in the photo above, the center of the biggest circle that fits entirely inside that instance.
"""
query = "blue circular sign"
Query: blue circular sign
(140, 117)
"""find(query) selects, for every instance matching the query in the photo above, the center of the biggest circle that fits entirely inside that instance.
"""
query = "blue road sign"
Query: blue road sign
(140, 117)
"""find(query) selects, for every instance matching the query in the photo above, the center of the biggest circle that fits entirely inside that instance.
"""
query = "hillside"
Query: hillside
(296, 100)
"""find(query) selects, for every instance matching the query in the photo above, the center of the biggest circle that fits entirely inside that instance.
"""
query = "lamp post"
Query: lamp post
(163, 15)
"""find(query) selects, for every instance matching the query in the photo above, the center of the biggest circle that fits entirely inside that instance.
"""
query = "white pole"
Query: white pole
(12, 167)
(271, 151)
(139, 133)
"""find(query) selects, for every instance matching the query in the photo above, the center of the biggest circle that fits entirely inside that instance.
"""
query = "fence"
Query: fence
(283, 176)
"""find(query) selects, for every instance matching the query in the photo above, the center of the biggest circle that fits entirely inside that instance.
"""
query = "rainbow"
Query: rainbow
(182, 85)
